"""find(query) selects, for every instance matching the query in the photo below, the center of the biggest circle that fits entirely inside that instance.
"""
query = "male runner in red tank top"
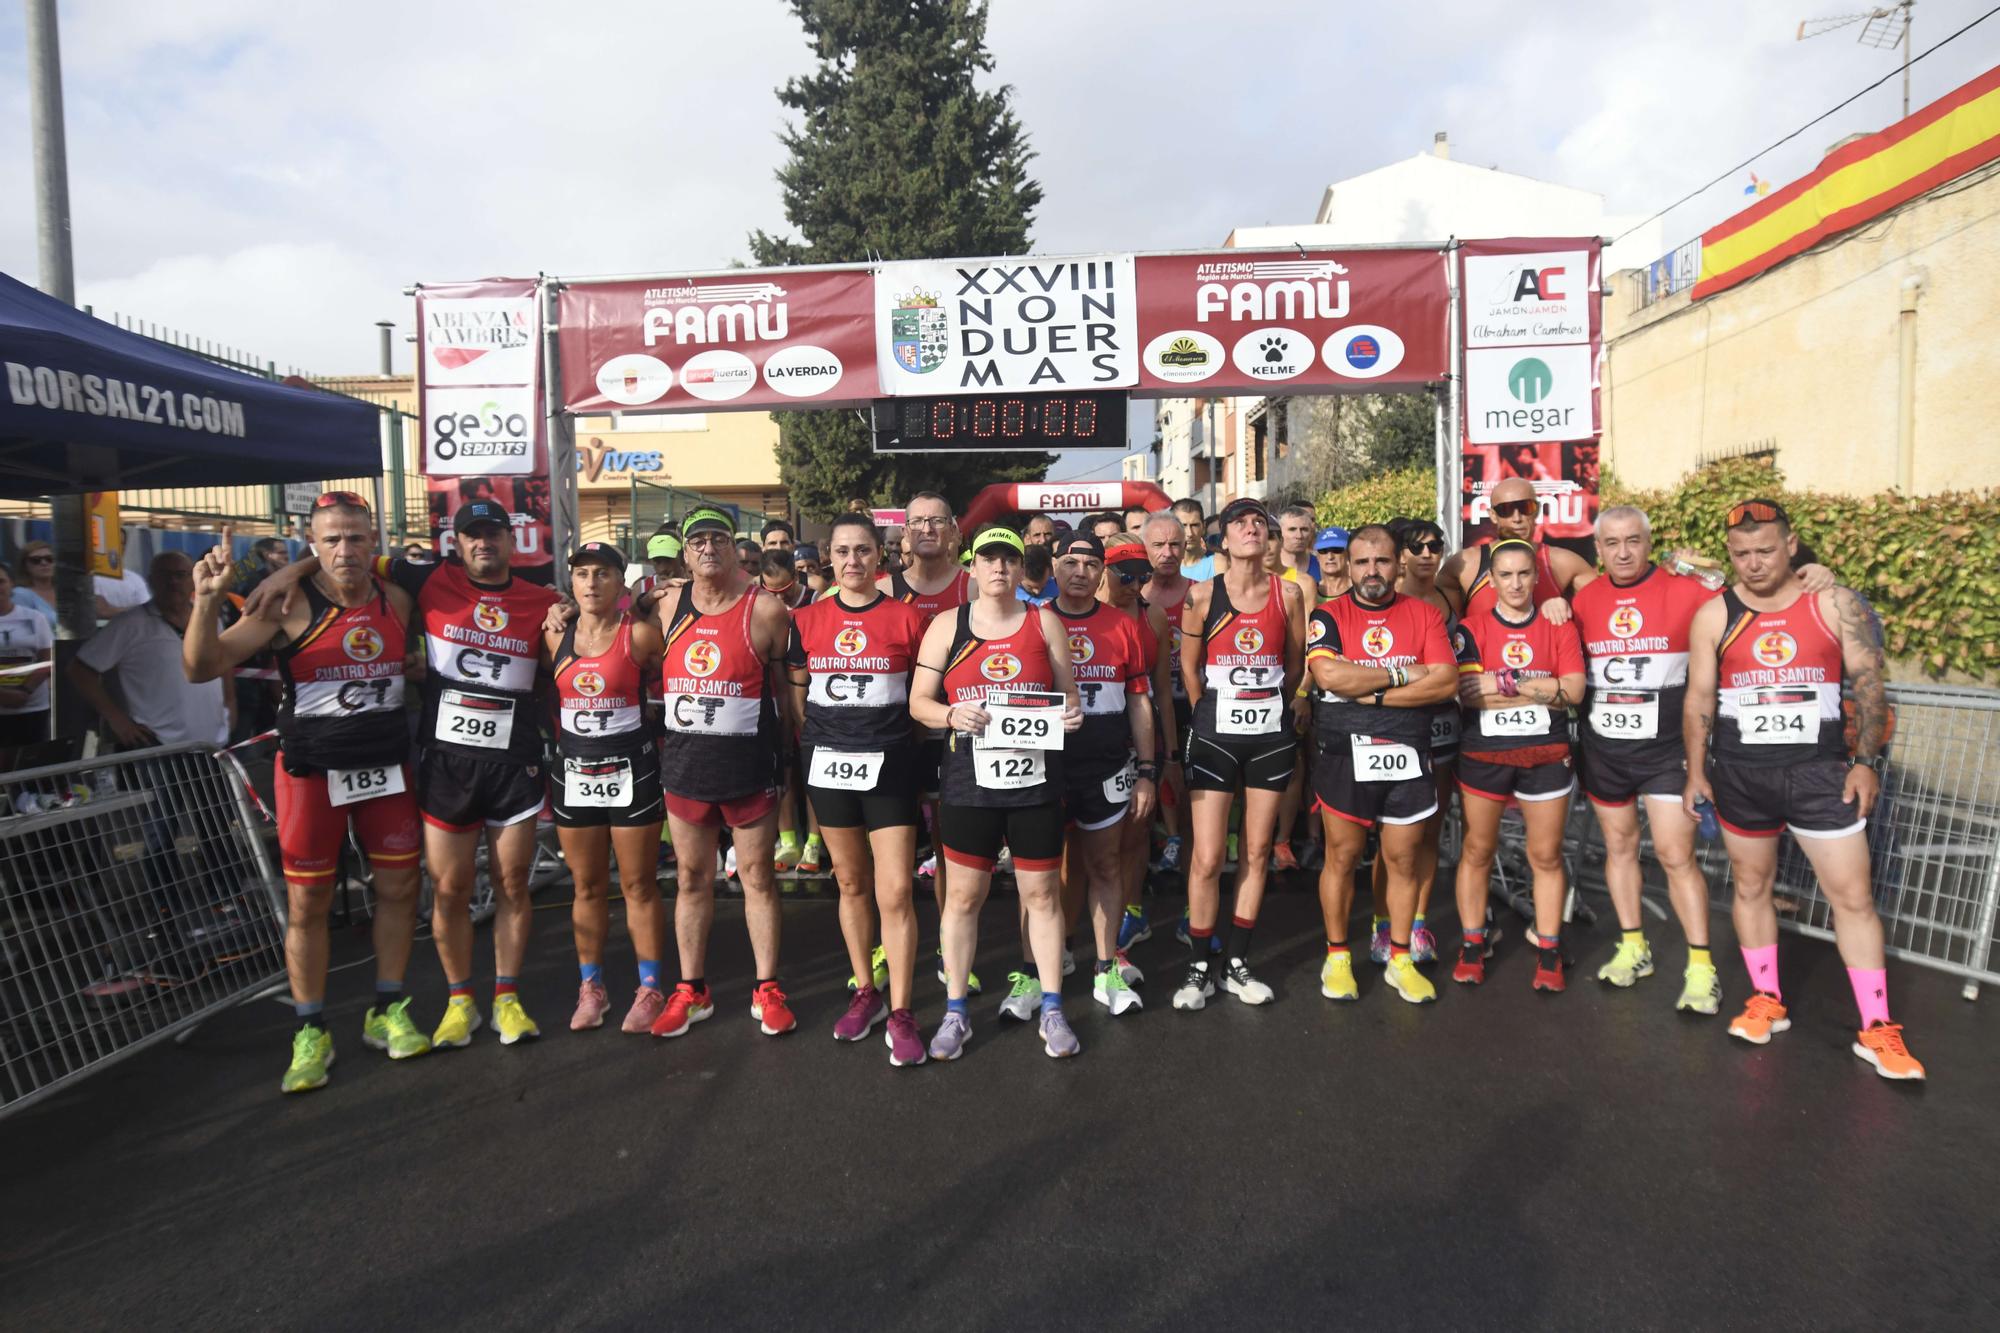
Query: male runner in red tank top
(1166, 542)
(1560, 572)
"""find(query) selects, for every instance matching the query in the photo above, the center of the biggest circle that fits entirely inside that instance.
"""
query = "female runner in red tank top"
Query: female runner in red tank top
(994, 646)
(1127, 570)
(606, 786)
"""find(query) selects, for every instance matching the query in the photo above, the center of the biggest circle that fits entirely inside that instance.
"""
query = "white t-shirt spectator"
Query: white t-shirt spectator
(145, 651)
(24, 637)
(124, 592)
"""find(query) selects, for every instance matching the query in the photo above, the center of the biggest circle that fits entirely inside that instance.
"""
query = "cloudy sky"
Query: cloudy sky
(271, 176)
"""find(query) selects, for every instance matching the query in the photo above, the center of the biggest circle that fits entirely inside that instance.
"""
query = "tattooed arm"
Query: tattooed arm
(1861, 660)
(1698, 713)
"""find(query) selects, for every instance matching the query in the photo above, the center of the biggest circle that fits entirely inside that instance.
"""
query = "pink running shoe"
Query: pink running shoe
(646, 1006)
(591, 1002)
(865, 1008)
(906, 1045)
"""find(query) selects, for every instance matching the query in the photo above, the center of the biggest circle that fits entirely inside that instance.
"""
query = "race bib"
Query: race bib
(346, 786)
(598, 784)
(1520, 720)
(1771, 722)
(1249, 712)
(1444, 730)
(1022, 722)
(844, 770)
(474, 719)
(1119, 786)
(1625, 715)
(1009, 770)
(1383, 761)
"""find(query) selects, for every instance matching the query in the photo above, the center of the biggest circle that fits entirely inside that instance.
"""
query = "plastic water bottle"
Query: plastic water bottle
(1710, 827)
(1712, 579)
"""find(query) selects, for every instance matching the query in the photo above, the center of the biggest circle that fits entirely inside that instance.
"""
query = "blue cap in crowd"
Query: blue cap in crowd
(1331, 539)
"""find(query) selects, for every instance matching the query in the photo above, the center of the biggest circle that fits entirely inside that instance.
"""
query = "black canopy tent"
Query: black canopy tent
(88, 406)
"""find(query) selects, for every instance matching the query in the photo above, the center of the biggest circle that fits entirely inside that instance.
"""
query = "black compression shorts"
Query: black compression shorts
(892, 803)
(460, 793)
(1261, 762)
(972, 835)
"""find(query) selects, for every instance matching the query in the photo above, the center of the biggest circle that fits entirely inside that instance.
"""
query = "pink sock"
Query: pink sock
(1763, 965)
(1871, 994)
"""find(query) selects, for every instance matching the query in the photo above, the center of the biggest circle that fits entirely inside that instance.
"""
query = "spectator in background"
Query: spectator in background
(1104, 526)
(418, 552)
(1135, 518)
(26, 637)
(1331, 544)
(143, 646)
(778, 536)
(121, 591)
(750, 557)
(1197, 563)
(266, 554)
(781, 578)
(35, 580)
(812, 574)
(1039, 530)
(1037, 588)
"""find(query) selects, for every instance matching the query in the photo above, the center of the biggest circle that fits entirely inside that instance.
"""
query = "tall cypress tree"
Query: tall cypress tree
(896, 154)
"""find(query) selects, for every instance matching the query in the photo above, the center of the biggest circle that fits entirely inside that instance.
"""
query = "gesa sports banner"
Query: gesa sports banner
(977, 325)
(1308, 319)
(749, 339)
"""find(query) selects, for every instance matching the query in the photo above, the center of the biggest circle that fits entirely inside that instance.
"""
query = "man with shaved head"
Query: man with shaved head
(1559, 573)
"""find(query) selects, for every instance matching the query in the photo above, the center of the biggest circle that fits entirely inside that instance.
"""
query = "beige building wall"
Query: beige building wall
(1807, 359)
(730, 456)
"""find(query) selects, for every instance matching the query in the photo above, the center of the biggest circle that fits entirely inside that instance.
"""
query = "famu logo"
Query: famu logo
(1081, 649)
(1626, 622)
(1530, 380)
(1249, 640)
(1376, 641)
(1517, 653)
(362, 644)
(489, 617)
(850, 642)
(702, 657)
(1000, 667)
(588, 683)
(1774, 648)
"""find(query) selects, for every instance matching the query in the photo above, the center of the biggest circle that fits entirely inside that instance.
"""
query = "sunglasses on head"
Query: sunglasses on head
(1431, 546)
(332, 498)
(1752, 511)
(1515, 508)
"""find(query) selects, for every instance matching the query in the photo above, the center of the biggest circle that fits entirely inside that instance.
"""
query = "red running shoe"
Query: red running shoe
(685, 1007)
(1472, 956)
(768, 1007)
(1549, 971)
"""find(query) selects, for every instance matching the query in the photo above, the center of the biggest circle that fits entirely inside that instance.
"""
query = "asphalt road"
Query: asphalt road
(1498, 1160)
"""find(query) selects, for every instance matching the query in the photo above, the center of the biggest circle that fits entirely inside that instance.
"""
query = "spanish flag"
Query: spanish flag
(1868, 177)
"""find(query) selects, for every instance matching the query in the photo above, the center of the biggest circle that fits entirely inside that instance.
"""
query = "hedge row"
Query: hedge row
(1929, 564)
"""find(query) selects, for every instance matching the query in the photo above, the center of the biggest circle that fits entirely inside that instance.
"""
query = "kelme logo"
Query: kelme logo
(1530, 380)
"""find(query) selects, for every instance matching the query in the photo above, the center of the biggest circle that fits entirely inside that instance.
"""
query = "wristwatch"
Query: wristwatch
(1378, 696)
(1874, 762)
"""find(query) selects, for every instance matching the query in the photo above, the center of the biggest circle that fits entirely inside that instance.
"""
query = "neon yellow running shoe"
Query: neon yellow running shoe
(878, 964)
(461, 1019)
(312, 1056)
(391, 1030)
(512, 1020)
(1406, 981)
(1336, 978)
(1632, 961)
(1701, 990)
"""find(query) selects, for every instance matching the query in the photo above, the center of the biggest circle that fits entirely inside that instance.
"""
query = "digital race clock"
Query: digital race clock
(1040, 422)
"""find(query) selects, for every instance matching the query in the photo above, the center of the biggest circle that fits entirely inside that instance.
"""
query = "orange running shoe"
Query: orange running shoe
(1283, 858)
(1881, 1045)
(1761, 1017)
(685, 1007)
(768, 1007)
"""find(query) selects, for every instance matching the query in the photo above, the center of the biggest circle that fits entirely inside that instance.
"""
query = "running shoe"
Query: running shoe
(1181, 930)
(1231, 857)
(1239, 981)
(1423, 945)
(786, 856)
(1631, 962)
(768, 1007)
(511, 1020)
(1196, 987)
(685, 1007)
(927, 868)
(1283, 858)
(1549, 970)
(864, 1011)
(948, 1042)
(1024, 998)
(813, 858)
(905, 1043)
(1701, 990)
(1058, 1040)
(1170, 855)
(1880, 1044)
(1336, 977)
(461, 1019)
(1378, 945)
(1470, 969)
(729, 863)
(1111, 990)
(1133, 928)
(1069, 961)
(591, 1002)
(1764, 1015)
(1406, 981)
(312, 1056)
(972, 986)
(1133, 976)
(878, 968)
(647, 1005)
(391, 1030)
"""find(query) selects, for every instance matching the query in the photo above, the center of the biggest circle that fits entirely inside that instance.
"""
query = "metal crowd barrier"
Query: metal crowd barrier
(136, 900)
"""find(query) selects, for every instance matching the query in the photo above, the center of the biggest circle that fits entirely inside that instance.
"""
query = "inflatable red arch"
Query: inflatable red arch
(1059, 497)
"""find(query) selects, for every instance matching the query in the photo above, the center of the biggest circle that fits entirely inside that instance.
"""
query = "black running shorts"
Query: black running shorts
(891, 804)
(584, 779)
(1619, 774)
(460, 793)
(1497, 782)
(1763, 801)
(973, 835)
(1259, 762)
(1385, 799)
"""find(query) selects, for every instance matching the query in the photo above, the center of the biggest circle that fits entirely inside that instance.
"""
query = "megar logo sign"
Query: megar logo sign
(1520, 395)
(1530, 381)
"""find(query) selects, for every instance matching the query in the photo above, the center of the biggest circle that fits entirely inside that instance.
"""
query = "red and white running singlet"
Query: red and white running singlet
(721, 739)
(1534, 648)
(858, 663)
(1107, 658)
(1404, 631)
(1636, 639)
(484, 646)
(1243, 666)
(343, 679)
(929, 605)
(600, 697)
(975, 670)
(1779, 674)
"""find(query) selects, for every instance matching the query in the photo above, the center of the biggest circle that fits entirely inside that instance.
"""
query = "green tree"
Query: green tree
(1399, 431)
(896, 153)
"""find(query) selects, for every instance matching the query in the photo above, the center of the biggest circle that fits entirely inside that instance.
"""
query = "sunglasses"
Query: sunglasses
(41, 560)
(332, 498)
(1128, 577)
(1515, 508)
(1752, 511)
(1431, 547)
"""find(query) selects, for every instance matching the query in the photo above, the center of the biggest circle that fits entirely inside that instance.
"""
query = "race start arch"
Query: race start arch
(1060, 497)
(1033, 353)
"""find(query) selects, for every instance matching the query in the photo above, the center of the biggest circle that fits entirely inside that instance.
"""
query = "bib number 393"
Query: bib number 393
(1008, 770)
(1775, 723)
(473, 719)
(1249, 714)
(1629, 717)
(597, 784)
(1383, 761)
(347, 786)
(844, 770)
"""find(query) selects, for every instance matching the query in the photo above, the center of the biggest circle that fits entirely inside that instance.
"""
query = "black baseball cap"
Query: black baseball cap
(603, 553)
(805, 551)
(1078, 543)
(1236, 509)
(475, 512)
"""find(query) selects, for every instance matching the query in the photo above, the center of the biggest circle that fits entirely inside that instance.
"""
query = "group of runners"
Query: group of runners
(939, 697)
